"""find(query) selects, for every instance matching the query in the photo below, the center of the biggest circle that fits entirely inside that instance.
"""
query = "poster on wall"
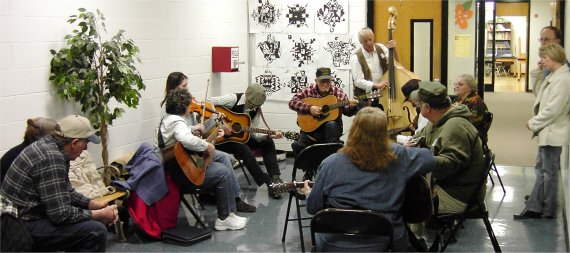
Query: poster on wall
(292, 38)
(265, 16)
(299, 16)
(337, 49)
(269, 50)
(332, 16)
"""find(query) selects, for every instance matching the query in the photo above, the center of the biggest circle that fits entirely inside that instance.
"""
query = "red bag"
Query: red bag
(161, 215)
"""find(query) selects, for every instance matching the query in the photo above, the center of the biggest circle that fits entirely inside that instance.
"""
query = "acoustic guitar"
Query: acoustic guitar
(417, 205)
(194, 163)
(329, 110)
(240, 127)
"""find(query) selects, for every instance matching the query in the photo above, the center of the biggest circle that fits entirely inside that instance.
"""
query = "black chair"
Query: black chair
(351, 222)
(475, 210)
(308, 160)
(194, 192)
(488, 117)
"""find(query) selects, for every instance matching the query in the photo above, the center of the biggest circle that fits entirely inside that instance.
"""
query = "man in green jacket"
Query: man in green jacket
(455, 143)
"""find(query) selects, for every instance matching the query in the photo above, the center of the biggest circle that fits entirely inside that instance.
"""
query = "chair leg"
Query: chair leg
(494, 241)
(490, 177)
(287, 217)
(244, 172)
(299, 222)
(499, 177)
(194, 213)
(453, 229)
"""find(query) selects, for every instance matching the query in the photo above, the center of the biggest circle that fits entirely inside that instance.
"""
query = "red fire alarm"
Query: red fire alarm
(225, 59)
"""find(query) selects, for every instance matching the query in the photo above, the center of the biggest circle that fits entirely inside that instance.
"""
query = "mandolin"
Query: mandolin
(329, 110)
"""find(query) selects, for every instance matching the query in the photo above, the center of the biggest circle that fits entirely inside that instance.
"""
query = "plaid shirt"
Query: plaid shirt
(6, 207)
(38, 184)
(311, 91)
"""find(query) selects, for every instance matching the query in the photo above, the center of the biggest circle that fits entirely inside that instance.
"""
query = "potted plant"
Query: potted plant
(93, 71)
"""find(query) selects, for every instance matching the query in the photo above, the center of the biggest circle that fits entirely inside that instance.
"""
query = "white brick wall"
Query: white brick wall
(173, 35)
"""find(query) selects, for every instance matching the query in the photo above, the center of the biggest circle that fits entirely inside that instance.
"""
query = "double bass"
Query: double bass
(401, 113)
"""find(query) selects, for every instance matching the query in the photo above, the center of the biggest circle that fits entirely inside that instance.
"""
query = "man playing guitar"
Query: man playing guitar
(329, 131)
(250, 103)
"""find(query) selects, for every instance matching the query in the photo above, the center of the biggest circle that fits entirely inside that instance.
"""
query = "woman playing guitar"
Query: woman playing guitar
(371, 173)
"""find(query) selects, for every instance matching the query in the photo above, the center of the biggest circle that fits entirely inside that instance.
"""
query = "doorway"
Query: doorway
(505, 41)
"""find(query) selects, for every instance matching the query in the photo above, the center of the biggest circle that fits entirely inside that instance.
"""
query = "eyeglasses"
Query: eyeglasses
(545, 40)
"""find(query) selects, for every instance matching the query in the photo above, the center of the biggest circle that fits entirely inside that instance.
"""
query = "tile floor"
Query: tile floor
(264, 230)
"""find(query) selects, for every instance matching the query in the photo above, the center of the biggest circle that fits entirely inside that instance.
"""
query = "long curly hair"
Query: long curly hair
(368, 144)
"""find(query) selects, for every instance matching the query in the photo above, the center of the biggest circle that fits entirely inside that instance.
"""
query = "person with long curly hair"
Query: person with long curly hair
(369, 173)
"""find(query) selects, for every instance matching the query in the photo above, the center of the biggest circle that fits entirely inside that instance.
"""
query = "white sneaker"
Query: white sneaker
(238, 217)
(231, 223)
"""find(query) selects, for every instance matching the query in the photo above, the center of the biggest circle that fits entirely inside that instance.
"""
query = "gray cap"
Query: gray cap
(255, 95)
(433, 93)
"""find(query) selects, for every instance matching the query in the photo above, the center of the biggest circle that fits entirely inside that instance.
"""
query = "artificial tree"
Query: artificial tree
(93, 71)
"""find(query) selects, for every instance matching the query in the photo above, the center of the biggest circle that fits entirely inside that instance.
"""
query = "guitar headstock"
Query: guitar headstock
(291, 136)
(374, 94)
(393, 15)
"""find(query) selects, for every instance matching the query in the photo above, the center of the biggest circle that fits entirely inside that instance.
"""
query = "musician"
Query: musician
(329, 131)
(178, 80)
(368, 161)
(420, 121)
(218, 178)
(465, 90)
(550, 123)
(369, 63)
(250, 103)
(456, 145)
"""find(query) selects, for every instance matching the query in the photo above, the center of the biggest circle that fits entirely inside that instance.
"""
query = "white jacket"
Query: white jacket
(85, 178)
(552, 109)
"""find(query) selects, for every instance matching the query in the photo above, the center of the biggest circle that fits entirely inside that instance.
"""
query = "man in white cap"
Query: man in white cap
(57, 217)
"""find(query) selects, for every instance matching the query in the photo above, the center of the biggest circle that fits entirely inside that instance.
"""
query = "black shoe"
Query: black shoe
(549, 217)
(526, 214)
(274, 180)
(243, 207)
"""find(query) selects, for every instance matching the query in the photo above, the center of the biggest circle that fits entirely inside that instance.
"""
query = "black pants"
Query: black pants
(326, 133)
(88, 236)
(243, 152)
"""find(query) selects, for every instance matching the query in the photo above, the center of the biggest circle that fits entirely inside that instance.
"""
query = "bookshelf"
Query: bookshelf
(503, 40)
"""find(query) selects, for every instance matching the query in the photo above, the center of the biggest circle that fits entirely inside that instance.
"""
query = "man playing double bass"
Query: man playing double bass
(369, 63)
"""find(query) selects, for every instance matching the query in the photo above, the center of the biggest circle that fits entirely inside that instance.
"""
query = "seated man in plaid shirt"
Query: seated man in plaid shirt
(329, 131)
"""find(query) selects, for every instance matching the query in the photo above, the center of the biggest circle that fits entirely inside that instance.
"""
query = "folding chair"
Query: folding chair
(351, 222)
(194, 193)
(237, 163)
(308, 160)
(475, 210)
(488, 117)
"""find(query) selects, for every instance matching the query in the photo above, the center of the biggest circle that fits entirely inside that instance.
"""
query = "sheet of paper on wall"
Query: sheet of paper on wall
(273, 80)
(265, 16)
(302, 51)
(462, 45)
(269, 50)
(331, 16)
(336, 50)
(299, 16)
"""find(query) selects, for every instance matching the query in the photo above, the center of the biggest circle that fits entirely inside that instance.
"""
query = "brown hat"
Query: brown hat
(324, 73)
(433, 93)
(410, 86)
(255, 95)
(78, 127)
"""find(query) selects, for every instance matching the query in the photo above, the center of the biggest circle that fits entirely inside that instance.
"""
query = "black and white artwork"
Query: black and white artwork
(337, 50)
(272, 79)
(302, 50)
(270, 49)
(297, 80)
(332, 17)
(299, 16)
(265, 16)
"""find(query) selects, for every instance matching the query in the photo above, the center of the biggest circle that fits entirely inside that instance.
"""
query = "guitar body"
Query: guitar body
(192, 163)
(308, 122)
(235, 120)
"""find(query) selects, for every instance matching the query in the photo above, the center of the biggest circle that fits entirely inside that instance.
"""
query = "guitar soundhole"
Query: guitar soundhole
(236, 127)
(325, 109)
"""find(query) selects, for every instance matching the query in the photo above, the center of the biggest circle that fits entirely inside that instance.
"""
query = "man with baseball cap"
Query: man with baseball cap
(329, 131)
(57, 217)
(250, 103)
(456, 145)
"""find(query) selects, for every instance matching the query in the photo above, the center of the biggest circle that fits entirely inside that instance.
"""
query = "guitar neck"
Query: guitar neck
(258, 130)
(345, 102)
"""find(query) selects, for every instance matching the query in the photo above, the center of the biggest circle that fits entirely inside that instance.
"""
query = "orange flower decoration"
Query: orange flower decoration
(462, 16)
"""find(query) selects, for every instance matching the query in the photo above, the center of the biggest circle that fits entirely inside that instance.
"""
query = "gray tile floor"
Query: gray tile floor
(265, 227)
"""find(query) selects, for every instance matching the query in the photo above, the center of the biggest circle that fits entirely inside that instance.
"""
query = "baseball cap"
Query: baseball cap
(433, 93)
(324, 73)
(78, 127)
